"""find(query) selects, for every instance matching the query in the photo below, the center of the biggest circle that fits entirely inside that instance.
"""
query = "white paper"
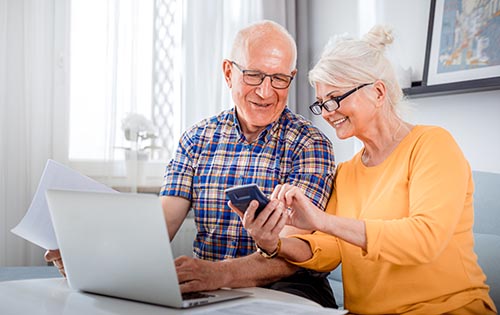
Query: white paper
(269, 307)
(36, 226)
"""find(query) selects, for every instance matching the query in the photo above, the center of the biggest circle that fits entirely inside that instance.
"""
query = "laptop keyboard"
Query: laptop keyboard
(195, 295)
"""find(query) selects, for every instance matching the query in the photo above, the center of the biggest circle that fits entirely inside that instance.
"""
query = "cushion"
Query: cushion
(487, 248)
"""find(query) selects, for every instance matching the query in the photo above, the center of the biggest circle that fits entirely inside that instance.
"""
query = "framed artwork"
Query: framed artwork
(463, 45)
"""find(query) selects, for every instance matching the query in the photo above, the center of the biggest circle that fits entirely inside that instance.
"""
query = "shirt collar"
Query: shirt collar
(268, 132)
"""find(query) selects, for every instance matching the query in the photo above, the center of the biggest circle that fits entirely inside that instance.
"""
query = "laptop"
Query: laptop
(118, 245)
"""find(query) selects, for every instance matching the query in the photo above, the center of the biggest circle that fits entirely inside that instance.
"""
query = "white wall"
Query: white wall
(474, 121)
(472, 118)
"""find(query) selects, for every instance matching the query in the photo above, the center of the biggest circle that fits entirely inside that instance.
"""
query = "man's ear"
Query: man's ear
(227, 70)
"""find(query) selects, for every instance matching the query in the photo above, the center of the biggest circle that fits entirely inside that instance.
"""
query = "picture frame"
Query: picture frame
(463, 47)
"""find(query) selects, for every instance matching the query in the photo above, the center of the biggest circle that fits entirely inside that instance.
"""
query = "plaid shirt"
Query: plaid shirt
(214, 155)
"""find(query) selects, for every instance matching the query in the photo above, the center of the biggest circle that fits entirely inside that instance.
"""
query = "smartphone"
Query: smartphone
(241, 196)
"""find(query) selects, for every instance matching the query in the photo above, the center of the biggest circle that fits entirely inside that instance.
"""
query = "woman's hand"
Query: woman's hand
(301, 212)
(266, 227)
(54, 256)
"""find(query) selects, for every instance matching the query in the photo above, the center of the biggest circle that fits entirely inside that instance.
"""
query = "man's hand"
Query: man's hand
(200, 275)
(265, 229)
(54, 256)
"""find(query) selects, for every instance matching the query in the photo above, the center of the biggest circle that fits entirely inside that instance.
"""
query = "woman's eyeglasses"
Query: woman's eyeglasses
(333, 103)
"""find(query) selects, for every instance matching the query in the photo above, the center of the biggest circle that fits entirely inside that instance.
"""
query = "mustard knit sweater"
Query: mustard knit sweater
(418, 210)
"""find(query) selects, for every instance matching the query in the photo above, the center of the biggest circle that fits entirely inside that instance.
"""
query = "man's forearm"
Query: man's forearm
(254, 270)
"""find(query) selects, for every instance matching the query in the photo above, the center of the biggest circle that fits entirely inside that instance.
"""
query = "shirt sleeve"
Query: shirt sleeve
(439, 187)
(314, 168)
(179, 172)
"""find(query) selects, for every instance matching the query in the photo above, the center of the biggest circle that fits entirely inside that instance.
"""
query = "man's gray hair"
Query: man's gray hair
(261, 30)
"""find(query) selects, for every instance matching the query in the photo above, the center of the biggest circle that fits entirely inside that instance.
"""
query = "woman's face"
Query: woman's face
(355, 113)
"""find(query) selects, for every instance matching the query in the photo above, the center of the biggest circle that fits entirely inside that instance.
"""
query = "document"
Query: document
(269, 307)
(36, 226)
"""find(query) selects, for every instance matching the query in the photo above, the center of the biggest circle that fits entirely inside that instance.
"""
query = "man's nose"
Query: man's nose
(265, 89)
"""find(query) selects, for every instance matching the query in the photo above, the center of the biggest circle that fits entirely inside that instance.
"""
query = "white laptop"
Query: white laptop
(118, 245)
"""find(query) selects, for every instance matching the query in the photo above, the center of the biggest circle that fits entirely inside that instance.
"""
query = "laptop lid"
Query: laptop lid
(118, 245)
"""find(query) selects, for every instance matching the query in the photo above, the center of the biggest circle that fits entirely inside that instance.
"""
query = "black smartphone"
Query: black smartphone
(241, 196)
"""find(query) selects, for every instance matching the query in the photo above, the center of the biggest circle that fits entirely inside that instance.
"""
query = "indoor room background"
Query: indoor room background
(36, 95)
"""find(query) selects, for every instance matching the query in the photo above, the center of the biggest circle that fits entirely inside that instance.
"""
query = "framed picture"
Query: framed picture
(463, 45)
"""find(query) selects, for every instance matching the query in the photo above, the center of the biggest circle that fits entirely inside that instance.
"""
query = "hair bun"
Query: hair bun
(379, 36)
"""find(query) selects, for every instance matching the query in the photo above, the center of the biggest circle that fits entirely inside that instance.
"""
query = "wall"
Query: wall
(472, 118)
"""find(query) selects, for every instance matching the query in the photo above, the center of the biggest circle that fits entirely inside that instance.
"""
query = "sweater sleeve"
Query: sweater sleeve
(325, 249)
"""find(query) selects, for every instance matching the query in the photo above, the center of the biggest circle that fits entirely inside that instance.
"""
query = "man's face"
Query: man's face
(258, 106)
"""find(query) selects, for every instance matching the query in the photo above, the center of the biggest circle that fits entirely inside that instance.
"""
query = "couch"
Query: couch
(486, 235)
(487, 228)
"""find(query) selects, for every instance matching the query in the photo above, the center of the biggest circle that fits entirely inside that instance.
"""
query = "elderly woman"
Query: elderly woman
(401, 214)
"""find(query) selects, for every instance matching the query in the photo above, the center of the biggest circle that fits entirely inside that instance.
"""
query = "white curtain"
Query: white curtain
(34, 90)
(209, 28)
(111, 74)
(26, 111)
(111, 49)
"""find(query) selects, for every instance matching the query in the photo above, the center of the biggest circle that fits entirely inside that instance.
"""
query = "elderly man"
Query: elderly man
(258, 141)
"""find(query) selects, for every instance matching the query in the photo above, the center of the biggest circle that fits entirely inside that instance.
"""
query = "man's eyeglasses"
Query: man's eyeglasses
(255, 77)
(333, 103)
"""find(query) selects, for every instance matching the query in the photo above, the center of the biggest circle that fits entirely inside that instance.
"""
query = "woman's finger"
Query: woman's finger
(276, 191)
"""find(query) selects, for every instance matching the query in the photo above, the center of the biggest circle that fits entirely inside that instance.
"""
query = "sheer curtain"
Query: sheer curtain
(208, 31)
(35, 93)
(26, 111)
(111, 73)
(111, 77)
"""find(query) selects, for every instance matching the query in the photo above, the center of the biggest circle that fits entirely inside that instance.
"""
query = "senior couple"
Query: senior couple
(406, 246)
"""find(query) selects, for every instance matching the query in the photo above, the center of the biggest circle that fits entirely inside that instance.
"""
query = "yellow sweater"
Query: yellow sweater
(418, 210)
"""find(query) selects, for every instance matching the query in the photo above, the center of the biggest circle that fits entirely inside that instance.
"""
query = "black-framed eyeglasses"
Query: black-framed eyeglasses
(333, 103)
(255, 77)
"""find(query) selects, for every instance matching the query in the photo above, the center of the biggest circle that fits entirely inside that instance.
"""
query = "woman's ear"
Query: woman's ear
(380, 91)
(227, 69)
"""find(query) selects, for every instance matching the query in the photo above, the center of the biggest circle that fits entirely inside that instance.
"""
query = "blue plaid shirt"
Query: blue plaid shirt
(214, 155)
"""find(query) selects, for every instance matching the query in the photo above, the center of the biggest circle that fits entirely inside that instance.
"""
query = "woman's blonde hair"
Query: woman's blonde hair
(347, 62)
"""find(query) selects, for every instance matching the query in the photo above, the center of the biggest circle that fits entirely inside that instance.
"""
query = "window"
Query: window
(123, 58)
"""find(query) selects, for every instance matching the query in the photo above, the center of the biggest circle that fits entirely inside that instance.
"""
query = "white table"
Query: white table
(53, 296)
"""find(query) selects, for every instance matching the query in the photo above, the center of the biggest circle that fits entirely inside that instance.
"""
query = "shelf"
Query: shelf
(419, 90)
